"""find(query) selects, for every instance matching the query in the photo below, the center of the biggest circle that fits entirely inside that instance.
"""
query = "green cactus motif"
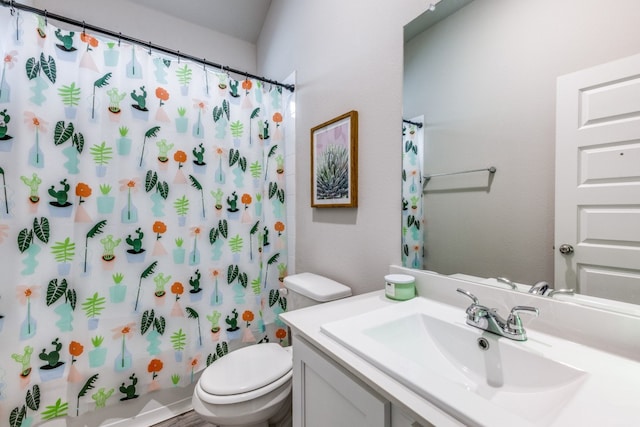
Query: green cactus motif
(141, 99)
(62, 195)
(129, 391)
(232, 201)
(198, 152)
(109, 244)
(66, 40)
(33, 183)
(5, 118)
(135, 243)
(161, 281)
(214, 318)
(101, 397)
(52, 357)
(232, 321)
(194, 282)
(233, 88)
(24, 360)
(163, 150)
(115, 98)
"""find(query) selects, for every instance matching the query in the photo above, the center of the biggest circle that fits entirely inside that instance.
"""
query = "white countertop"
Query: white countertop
(307, 322)
(611, 395)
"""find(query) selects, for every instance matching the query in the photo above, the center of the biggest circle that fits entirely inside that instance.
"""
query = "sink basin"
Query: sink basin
(428, 347)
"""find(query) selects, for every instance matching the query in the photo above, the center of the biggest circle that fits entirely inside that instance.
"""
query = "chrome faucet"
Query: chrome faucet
(540, 288)
(489, 320)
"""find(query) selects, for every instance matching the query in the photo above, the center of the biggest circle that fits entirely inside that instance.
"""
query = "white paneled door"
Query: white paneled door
(597, 230)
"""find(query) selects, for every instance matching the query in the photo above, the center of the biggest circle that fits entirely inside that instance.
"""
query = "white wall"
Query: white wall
(485, 78)
(347, 56)
(159, 28)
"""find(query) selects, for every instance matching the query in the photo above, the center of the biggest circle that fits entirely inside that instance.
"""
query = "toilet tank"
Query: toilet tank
(306, 289)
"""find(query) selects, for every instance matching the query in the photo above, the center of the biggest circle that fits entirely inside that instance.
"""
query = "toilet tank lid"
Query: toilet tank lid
(316, 287)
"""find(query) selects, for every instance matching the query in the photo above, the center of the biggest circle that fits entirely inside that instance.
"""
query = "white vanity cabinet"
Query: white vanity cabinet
(325, 394)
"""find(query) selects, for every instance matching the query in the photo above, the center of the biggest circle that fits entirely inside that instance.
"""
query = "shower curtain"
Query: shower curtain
(142, 219)
(412, 199)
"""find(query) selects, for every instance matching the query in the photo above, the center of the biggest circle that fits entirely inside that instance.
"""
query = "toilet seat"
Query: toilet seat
(245, 374)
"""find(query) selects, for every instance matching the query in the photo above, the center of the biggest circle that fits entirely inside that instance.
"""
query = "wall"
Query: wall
(485, 78)
(347, 56)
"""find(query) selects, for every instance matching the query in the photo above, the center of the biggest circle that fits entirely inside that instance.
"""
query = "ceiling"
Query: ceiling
(241, 19)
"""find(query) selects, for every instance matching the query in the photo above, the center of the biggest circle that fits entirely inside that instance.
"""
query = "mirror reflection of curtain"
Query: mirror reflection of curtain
(142, 222)
(412, 207)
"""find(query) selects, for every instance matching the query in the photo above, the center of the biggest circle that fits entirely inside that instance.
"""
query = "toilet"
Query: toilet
(237, 390)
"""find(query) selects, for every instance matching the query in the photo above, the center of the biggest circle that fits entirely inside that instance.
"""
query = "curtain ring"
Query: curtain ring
(83, 27)
(119, 38)
(13, 8)
(204, 64)
(46, 22)
(149, 48)
(178, 57)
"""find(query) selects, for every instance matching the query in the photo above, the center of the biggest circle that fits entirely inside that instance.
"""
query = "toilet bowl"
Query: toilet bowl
(251, 386)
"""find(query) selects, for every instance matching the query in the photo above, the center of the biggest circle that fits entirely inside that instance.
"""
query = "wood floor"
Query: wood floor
(188, 419)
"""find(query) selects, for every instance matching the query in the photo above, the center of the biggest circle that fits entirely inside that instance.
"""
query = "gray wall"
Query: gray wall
(485, 79)
(347, 55)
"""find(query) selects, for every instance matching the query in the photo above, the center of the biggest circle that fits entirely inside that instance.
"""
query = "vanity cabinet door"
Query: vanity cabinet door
(324, 394)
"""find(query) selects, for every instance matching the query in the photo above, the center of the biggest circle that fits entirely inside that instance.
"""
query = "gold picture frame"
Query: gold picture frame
(334, 162)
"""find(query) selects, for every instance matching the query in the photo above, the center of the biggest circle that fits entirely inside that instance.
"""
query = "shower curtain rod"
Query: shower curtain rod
(413, 123)
(119, 36)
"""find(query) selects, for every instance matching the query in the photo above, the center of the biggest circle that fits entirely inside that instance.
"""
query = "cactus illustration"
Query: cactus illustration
(163, 150)
(161, 281)
(141, 99)
(233, 202)
(194, 282)
(214, 318)
(198, 153)
(33, 183)
(4, 124)
(233, 88)
(232, 321)
(101, 397)
(115, 98)
(66, 40)
(62, 195)
(24, 360)
(135, 243)
(52, 357)
(130, 390)
(109, 244)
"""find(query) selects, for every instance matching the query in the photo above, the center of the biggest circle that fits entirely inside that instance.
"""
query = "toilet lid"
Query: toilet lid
(246, 369)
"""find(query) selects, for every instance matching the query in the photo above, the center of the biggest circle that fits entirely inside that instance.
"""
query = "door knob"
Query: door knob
(565, 249)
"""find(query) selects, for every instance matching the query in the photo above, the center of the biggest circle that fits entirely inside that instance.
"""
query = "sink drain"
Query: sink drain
(483, 344)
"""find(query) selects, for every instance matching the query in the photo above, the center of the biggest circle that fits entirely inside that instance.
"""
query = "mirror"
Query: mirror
(484, 77)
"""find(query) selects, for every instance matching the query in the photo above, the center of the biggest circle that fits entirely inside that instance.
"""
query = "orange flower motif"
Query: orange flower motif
(219, 151)
(162, 94)
(246, 199)
(155, 365)
(277, 117)
(34, 123)
(279, 226)
(194, 362)
(124, 331)
(24, 292)
(195, 231)
(159, 227)
(128, 184)
(10, 58)
(83, 190)
(75, 348)
(177, 288)
(180, 156)
(281, 334)
(199, 104)
(92, 41)
(247, 316)
(246, 85)
(215, 273)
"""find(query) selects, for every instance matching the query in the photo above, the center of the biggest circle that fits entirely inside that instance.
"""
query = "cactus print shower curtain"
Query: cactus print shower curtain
(142, 219)
(412, 199)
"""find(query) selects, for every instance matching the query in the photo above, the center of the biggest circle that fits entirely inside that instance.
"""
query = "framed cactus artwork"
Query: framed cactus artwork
(334, 162)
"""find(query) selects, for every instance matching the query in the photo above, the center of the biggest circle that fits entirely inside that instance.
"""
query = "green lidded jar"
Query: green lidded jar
(399, 287)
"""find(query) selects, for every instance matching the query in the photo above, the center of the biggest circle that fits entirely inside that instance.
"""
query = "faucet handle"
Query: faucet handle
(514, 322)
(469, 294)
